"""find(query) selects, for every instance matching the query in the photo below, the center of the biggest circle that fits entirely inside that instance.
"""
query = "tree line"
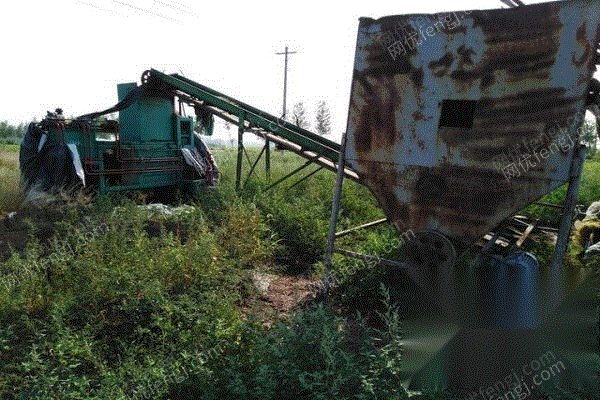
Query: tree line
(299, 117)
(9, 131)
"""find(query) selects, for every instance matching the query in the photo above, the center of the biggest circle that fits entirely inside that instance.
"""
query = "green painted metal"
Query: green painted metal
(254, 164)
(308, 140)
(144, 150)
(148, 119)
(304, 178)
(238, 171)
(294, 172)
(268, 160)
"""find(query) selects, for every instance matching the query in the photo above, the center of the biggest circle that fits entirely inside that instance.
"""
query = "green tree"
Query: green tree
(589, 137)
(323, 119)
(298, 116)
(6, 130)
(21, 129)
(10, 131)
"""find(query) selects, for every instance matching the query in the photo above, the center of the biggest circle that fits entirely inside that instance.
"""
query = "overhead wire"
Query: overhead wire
(137, 8)
(187, 12)
(146, 11)
(100, 8)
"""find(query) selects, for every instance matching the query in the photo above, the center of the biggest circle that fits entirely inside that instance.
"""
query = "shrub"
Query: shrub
(244, 235)
(314, 355)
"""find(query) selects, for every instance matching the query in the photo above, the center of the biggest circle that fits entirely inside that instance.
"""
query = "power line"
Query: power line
(100, 8)
(187, 12)
(146, 11)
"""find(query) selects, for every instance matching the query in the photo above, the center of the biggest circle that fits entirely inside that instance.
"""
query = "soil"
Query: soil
(18, 228)
(280, 295)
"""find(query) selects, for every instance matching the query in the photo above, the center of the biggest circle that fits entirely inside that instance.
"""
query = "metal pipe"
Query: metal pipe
(268, 160)
(305, 178)
(548, 205)
(367, 225)
(240, 159)
(513, 3)
(132, 171)
(320, 160)
(300, 168)
(337, 194)
(253, 166)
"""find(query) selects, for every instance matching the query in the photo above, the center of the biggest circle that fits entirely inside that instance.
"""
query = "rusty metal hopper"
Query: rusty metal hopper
(458, 120)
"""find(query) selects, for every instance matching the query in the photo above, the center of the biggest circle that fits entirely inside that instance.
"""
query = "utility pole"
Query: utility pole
(285, 68)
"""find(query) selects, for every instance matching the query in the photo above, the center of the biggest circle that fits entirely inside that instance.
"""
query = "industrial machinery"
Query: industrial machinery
(152, 145)
(456, 122)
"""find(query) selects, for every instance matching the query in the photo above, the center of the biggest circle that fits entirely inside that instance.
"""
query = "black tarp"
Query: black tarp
(49, 165)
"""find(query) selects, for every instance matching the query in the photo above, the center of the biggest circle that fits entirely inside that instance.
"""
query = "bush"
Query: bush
(315, 355)
(104, 296)
(245, 236)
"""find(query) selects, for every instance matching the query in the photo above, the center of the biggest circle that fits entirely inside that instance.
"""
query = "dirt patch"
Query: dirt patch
(280, 295)
(18, 228)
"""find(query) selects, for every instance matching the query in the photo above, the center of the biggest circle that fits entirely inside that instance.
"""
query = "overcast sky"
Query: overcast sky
(71, 54)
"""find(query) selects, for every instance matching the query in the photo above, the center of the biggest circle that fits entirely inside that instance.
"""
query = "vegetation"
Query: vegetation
(589, 137)
(588, 193)
(10, 192)
(9, 131)
(124, 301)
(323, 119)
(299, 117)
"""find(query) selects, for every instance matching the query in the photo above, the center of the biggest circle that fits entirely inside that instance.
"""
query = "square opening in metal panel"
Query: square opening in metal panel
(457, 113)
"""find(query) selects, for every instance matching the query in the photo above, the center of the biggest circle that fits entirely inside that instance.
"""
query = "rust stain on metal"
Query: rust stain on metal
(524, 74)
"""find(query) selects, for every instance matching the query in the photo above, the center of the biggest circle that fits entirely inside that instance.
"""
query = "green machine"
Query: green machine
(152, 145)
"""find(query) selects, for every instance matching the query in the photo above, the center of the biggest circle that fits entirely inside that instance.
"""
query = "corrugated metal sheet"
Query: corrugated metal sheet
(524, 71)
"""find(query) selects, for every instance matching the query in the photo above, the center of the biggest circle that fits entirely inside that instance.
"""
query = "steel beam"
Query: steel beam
(335, 207)
(556, 276)
(240, 150)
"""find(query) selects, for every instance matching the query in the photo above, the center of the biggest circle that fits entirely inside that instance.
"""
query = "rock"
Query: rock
(157, 208)
(262, 282)
(157, 211)
(591, 252)
(593, 210)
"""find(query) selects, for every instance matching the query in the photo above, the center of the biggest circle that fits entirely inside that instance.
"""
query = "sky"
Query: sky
(71, 54)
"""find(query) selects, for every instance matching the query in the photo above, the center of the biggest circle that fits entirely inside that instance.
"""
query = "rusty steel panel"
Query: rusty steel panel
(458, 120)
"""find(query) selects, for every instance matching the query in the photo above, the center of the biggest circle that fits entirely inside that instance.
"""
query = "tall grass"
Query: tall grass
(10, 190)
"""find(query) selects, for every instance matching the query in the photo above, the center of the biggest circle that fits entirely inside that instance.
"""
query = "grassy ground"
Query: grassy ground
(9, 176)
(588, 193)
(128, 303)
